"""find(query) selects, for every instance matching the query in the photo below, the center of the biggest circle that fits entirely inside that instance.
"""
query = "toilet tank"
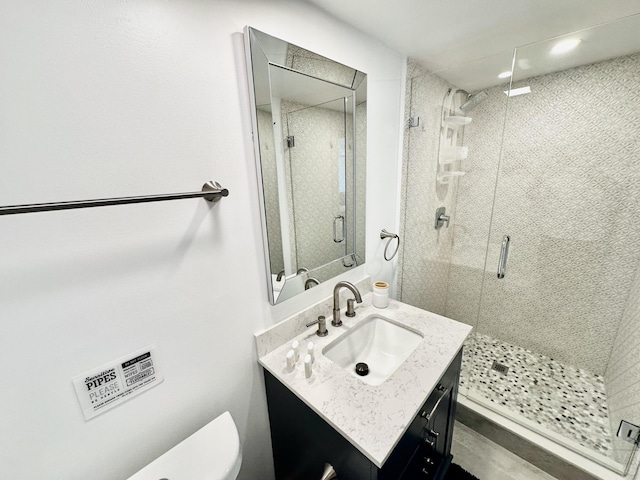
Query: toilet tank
(212, 453)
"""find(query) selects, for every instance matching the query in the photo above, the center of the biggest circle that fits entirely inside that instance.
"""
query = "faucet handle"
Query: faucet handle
(441, 218)
(350, 307)
(322, 326)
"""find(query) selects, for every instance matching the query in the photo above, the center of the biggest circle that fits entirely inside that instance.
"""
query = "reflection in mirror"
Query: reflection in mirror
(310, 140)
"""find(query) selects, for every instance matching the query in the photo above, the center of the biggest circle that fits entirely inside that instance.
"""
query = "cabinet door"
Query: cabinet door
(431, 460)
(303, 442)
(404, 450)
(435, 451)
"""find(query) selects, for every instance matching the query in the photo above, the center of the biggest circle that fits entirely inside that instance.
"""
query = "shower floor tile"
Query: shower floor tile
(562, 398)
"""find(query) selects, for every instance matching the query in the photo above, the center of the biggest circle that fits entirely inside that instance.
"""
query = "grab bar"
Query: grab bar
(335, 230)
(211, 191)
(504, 255)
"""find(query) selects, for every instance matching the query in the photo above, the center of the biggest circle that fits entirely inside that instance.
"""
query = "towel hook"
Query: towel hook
(384, 234)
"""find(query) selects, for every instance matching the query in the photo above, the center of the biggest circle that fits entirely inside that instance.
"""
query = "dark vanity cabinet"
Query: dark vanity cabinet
(303, 442)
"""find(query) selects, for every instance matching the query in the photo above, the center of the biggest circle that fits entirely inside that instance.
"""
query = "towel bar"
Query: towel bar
(211, 191)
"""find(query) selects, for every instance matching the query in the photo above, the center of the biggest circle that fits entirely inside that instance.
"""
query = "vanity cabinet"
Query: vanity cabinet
(303, 442)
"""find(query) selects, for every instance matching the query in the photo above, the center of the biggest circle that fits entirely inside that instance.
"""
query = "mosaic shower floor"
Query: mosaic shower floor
(564, 399)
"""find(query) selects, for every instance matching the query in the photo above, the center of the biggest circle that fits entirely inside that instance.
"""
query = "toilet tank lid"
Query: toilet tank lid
(212, 453)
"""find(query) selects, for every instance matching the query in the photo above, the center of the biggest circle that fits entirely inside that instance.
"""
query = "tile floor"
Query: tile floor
(488, 460)
(565, 399)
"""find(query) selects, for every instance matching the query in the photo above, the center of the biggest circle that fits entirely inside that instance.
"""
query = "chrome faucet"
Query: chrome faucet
(336, 322)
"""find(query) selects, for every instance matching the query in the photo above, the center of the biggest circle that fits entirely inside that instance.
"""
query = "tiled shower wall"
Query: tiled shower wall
(313, 170)
(320, 147)
(568, 196)
(622, 378)
(425, 253)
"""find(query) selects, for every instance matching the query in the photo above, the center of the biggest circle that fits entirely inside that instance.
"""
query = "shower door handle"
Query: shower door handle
(338, 219)
(504, 254)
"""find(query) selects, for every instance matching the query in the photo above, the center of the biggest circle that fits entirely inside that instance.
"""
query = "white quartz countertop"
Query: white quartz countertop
(372, 418)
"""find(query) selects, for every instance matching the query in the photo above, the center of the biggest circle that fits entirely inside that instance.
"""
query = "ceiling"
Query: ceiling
(454, 35)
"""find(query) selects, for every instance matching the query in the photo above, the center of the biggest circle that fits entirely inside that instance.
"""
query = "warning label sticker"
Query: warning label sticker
(109, 385)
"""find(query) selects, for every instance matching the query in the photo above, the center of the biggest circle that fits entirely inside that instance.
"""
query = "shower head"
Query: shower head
(473, 101)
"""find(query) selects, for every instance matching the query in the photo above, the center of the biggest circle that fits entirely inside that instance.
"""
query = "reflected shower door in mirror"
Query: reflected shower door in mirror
(310, 140)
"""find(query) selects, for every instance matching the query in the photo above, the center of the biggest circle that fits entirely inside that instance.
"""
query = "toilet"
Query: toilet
(212, 453)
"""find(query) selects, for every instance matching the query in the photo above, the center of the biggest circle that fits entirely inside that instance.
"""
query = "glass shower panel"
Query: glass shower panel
(456, 125)
(319, 142)
(426, 252)
(556, 327)
(441, 268)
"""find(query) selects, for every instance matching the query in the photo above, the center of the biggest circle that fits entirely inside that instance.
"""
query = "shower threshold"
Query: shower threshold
(588, 462)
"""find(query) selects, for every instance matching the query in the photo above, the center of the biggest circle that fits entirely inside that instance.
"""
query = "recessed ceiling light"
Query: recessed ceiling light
(505, 74)
(565, 46)
(514, 92)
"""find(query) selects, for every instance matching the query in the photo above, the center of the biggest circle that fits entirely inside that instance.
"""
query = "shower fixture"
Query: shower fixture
(474, 100)
(441, 218)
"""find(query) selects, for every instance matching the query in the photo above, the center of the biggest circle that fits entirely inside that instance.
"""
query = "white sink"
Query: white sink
(377, 341)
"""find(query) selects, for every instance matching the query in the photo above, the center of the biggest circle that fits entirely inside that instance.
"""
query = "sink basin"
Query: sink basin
(379, 342)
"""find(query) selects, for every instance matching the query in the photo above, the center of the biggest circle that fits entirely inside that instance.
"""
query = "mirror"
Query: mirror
(309, 132)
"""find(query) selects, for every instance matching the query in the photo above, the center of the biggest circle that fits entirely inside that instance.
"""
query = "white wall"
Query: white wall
(101, 99)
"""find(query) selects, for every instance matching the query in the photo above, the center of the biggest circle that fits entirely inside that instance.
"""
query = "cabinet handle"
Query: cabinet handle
(429, 415)
(425, 471)
(432, 433)
(428, 461)
(431, 443)
(329, 473)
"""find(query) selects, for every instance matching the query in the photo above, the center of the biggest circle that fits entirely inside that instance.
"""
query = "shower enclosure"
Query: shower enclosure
(539, 174)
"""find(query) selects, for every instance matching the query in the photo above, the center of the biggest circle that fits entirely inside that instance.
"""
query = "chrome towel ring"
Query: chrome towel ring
(384, 234)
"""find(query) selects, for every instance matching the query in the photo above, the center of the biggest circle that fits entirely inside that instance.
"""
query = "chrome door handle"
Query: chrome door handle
(335, 229)
(504, 255)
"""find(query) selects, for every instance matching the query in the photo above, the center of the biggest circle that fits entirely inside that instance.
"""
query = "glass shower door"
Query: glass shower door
(559, 317)
(319, 149)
